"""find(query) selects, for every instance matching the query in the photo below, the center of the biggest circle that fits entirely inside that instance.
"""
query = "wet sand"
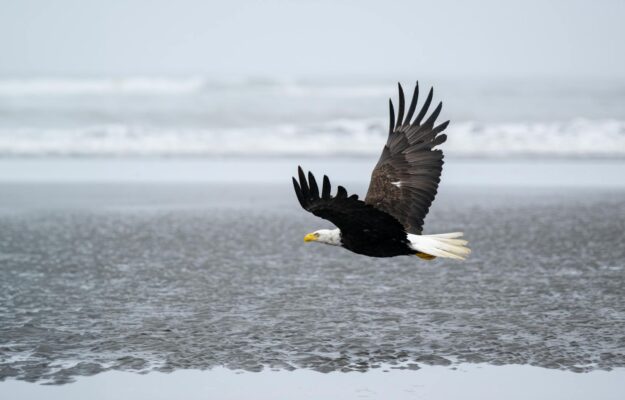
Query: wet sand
(170, 276)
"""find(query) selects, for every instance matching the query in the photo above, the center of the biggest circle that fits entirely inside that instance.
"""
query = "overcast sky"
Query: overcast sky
(313, 38)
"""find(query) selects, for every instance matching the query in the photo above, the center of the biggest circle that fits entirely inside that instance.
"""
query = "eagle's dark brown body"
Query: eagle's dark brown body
(389, 246)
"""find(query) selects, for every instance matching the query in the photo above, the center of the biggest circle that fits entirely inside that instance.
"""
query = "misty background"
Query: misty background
(295, 39)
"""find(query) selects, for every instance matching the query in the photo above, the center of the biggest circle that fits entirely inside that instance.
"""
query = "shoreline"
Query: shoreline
(456, 172)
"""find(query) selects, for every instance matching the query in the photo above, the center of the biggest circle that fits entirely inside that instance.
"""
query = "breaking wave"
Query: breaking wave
(363, 137)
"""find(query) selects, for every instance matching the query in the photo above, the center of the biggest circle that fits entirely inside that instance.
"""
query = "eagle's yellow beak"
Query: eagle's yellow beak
(311, 237)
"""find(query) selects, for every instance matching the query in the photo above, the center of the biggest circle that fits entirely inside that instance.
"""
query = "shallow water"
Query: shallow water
(166, 277)
(463, 381)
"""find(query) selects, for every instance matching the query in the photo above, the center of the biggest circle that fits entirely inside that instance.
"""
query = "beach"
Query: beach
(160, 276)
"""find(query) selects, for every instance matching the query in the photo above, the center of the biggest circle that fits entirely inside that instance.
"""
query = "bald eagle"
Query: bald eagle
(389, 222)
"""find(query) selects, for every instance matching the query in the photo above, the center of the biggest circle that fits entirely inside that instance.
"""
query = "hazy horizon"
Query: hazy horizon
(296, 40)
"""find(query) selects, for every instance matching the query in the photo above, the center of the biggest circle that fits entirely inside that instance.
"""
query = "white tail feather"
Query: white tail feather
(445, 245)
(451, 235)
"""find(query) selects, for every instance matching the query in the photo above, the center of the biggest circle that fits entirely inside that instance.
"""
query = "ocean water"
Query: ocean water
(200, 117)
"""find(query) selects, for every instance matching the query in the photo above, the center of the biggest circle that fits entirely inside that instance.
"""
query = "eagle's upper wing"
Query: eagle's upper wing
(350, 215)
(405, 179)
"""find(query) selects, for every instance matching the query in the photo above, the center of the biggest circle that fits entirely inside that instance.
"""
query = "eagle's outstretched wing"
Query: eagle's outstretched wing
(405, 179)
(350, 215)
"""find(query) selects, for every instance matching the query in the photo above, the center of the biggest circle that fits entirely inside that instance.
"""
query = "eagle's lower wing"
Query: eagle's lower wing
(350, 215)
(405, 179)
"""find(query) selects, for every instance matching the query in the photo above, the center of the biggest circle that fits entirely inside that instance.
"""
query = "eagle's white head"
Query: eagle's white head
(327, 236)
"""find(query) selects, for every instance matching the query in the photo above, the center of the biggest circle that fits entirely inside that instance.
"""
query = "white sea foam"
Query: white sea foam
(187, 85)
(64, 86)
(364, 137)
(575, 138)
(202, 116)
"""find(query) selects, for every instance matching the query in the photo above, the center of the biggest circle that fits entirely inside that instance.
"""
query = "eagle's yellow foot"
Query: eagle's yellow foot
(425, 256)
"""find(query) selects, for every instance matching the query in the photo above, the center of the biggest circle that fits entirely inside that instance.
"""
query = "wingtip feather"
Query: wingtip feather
(298, 192)
(327, 188)
(312, 183)
(392, 116)
(400, 111)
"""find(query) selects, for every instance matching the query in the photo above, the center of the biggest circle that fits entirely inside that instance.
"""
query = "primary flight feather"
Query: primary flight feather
(404, 182)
